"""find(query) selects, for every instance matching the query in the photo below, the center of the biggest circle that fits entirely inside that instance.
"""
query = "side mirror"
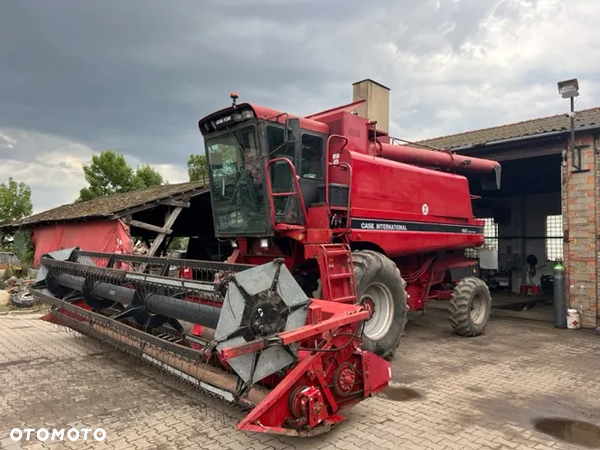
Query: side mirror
(292, 130)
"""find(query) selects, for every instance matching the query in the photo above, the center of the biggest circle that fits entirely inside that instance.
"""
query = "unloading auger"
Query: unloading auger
(250, 336)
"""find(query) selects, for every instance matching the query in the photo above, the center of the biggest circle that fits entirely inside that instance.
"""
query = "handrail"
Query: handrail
(349, 203)
(272, 194)
(345, 139)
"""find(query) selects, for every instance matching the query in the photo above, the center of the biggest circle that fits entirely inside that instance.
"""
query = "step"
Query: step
(344, 299)
(337, 276)
(337, 253)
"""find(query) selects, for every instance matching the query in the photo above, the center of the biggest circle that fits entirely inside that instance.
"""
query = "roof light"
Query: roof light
(234, 96)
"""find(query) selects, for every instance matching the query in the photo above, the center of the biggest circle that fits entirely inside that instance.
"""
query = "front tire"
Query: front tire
(380, 286)
(470, 307)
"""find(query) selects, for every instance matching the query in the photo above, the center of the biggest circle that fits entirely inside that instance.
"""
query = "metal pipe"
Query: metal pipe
(118, 294)
(445, 160)
(205, 315)
(163, 305)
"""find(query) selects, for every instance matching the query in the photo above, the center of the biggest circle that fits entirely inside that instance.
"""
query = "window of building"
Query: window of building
(554, 237)
(490, 234)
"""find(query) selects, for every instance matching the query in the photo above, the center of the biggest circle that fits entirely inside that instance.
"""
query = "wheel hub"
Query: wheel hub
(368, 304)
(267, 318)
(344, 379)
(477, 311)
(378, 300)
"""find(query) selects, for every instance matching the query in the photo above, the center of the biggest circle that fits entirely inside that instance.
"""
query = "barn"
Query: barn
(154, 215)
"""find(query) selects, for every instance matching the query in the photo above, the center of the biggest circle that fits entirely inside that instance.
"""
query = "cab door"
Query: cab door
(287, 208)
(311, 167)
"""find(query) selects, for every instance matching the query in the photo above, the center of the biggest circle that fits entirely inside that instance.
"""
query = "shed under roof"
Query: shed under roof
(587, 118)
(114, 205)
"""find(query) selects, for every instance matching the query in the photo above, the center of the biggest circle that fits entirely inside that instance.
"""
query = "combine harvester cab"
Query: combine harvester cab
(252, 338)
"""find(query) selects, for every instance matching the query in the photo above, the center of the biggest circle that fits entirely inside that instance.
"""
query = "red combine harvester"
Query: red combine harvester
(336, 234)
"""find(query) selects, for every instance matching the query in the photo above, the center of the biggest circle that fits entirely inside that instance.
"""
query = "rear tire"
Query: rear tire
(380, 285)
(470, 307)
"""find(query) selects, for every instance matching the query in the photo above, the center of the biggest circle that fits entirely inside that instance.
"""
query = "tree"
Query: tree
(147, 176)
(197, 169)
(110, 174)
(15, 204)
(15, 201)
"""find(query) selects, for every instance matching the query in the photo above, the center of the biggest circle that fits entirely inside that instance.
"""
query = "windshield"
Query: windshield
(236, 178)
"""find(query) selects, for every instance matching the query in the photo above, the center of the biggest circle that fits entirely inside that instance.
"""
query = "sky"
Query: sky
(78, 77)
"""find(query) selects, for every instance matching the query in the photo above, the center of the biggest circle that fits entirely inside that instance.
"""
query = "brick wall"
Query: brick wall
(580, 205)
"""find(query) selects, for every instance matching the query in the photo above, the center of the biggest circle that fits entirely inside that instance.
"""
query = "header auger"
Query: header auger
(262, 344)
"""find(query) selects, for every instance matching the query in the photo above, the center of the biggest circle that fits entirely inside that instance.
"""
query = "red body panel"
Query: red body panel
(395, 190)
(429, 210)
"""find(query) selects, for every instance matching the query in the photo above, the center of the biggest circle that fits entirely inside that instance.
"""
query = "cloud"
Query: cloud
(136, 76)
(50, 165)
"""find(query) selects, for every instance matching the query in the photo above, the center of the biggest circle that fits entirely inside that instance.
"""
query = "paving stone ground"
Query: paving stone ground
(449, 393)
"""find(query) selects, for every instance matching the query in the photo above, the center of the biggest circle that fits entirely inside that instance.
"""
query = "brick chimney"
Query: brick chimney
(377, 106)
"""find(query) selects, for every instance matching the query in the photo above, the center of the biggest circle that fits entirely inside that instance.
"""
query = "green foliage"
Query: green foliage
(146, 176)
(23, 247)
(110, 174)
(15, 201)
(15, 204)
(197, 168)
(179, 243)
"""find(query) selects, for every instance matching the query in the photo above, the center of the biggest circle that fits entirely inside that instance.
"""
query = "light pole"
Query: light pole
(570, 89)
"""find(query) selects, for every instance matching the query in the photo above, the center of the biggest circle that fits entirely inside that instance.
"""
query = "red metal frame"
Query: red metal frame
(272, 195)
(308, 391)
(348, 167)
(330, 164)
(339, 315)
(337, 273)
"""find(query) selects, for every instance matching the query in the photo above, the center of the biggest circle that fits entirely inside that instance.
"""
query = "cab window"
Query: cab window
(312, 157)
(276, 146)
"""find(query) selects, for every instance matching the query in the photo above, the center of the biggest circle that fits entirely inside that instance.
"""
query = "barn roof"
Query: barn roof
(559, 123)
(114, 205)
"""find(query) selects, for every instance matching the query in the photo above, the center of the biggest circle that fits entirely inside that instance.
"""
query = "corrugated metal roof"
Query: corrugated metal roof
(104, 207)
(560, 122)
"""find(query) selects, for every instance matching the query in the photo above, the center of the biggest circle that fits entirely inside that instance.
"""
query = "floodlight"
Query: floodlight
(568, 88)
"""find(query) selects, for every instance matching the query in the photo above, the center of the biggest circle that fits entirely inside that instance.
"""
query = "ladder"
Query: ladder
(337, 273)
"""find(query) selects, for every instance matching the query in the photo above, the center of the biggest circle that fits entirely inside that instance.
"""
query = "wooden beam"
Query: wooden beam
(161, 236)
(175, 203)
(147, 226)
(184, 196)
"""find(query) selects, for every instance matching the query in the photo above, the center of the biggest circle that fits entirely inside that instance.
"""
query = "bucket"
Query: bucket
(573, 322)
